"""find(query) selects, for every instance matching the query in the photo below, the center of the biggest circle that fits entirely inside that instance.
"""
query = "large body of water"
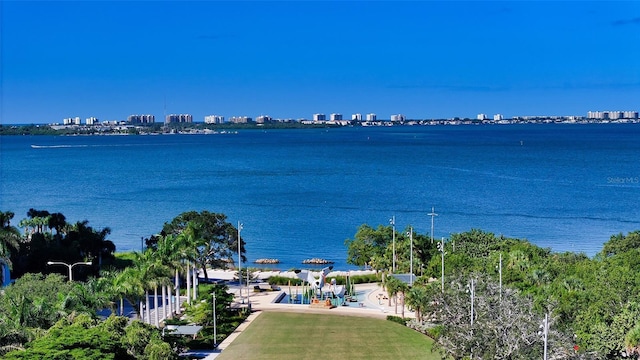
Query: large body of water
(301, 193)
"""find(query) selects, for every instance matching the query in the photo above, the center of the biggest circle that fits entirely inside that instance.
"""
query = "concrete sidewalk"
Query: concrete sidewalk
(373, 305)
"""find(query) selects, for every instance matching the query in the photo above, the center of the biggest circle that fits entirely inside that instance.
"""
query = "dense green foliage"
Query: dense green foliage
(85, 338)
(35, 303)
(212, 238)
(593, 299)
(52, 317)
(49, 237)
(156, 128)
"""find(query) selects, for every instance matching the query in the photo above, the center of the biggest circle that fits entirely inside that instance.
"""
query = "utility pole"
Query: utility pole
(441, 248)
(392, 221)
(545, 332)
(239, 260)
(411, 257)
(500, 272)
(432, 214)
(215, 330)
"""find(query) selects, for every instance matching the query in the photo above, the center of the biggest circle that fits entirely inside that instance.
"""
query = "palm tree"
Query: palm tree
(57, 221)
(129, 286)
(9, 238)
(173, 251)
(403, 288)
(92, 243)
(393, 288)
(186, 244)
(418, 299)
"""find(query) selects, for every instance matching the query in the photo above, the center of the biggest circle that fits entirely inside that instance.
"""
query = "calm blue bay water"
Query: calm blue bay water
(301, 193)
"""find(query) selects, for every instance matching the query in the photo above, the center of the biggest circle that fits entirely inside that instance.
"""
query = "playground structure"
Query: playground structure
(317, 293)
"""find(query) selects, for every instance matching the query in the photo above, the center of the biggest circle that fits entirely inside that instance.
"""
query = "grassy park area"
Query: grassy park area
(280, 335)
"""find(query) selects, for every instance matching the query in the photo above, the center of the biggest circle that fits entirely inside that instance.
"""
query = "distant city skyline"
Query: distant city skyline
(421, 59)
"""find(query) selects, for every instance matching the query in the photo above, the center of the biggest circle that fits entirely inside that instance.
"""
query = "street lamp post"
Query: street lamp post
(239, 260)
(215, 331)
(70, 266)
(392, 221)
(500, 272)
(545, 333)
(432, 214)
(441, 248)
(411, 257)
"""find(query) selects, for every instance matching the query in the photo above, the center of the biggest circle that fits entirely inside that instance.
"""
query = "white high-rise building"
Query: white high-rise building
(240, 119)
(398, 117)
(335, 117)
(213, 119)
(498, 117)
(482, 117)
(141, 119)
(319, 117)
(371, 117)
(91, 121)
(264, 119)
(356, 117)
(178, 118)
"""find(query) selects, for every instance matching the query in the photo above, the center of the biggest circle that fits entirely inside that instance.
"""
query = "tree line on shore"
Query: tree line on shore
(37, 308)
(592, 304)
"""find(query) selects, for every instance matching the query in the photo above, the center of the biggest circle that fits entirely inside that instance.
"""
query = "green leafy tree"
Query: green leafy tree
(214, 239)
(621, 243)
(368, 244)
(85, 338)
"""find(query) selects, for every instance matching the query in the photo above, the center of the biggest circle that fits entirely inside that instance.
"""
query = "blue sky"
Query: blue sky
(424, 59)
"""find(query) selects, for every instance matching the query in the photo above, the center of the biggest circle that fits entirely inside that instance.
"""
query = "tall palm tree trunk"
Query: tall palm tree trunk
(164, 302)
(195, 282)
(155, 305)
(188, 284)
(177, 301)
(169, 301)
(148, 312)
(141, 311)
(395, 301)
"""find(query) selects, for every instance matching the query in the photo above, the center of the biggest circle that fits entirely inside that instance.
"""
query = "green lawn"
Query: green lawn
(279, 335)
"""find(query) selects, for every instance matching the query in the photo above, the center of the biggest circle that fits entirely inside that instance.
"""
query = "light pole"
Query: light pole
(472, 290)
(545, 333)
(248, 301)
(441, 248)
(239, 260)
(473, 294)
(432, 214)
(215, 331)
(500, 272)
(70, 266)
(392, 221)
(411, 257)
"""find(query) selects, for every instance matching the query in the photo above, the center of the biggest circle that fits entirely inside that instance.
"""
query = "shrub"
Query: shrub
(398, 319)
(283, 280)
(430, 329)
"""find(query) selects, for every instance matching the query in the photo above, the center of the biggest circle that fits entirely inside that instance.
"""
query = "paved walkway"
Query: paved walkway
(373, 305)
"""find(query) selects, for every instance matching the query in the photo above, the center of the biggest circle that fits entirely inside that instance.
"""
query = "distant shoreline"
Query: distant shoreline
(214, 129)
